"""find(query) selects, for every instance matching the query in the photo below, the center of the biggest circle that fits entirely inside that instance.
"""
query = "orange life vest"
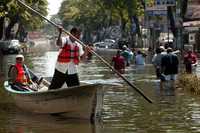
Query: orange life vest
(21, 76)
(67, 54)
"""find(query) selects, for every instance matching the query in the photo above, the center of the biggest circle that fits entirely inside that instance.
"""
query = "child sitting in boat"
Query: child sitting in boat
(20, 77)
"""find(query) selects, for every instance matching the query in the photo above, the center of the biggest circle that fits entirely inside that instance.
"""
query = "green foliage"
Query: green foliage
(96, 14)
(17, 13)
(48, 28)
(3, 9)
(30, 19)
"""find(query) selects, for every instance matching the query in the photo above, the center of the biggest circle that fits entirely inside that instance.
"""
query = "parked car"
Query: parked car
(100, 45)
(107, 43)
(110, 43)
(10, 47)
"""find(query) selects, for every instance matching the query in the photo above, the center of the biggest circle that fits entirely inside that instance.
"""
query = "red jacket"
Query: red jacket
(67, 54)
(119, 62)
(21, 76)
(190, 58)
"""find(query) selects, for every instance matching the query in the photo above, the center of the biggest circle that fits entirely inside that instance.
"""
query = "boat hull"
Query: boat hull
(82, 102)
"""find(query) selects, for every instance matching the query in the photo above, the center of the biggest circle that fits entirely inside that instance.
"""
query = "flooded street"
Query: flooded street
(124, 110)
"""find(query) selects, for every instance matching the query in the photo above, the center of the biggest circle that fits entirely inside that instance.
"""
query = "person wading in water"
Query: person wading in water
(190, 60)
(118, 62)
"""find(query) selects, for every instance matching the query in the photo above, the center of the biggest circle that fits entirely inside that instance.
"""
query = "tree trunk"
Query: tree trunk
(21, 34)
(123, 27)
(1, 27)
(13, 21)
(132, 40)
(170, 17)
(184, 5)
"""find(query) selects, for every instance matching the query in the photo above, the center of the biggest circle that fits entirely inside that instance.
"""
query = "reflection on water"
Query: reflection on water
(124, 111)
(31, 123)
(44, 65)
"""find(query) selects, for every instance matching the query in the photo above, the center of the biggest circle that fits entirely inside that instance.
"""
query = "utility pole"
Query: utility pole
(179, 25)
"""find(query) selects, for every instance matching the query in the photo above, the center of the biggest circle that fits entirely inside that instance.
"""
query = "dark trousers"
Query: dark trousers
(158, 73)
(20, 87)
(188, 68)
(59, 79)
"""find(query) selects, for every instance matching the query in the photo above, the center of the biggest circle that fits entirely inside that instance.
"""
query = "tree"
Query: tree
(95, 15)
(3, 12)
(17, 14)
(184, 5)
(51, 29)
(87, 14)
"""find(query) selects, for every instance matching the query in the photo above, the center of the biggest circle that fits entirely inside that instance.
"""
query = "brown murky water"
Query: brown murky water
(124, 110)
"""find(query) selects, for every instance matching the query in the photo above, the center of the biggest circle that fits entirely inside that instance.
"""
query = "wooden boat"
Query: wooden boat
(82, 102)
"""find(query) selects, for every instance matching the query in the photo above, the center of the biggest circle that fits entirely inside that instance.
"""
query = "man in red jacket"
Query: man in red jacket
(118, 62)
(190, 60)
(70, 54)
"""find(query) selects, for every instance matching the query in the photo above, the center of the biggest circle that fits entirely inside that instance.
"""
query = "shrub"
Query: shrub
(189, 82)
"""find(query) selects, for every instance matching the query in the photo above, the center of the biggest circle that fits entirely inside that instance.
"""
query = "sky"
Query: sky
(53, 6)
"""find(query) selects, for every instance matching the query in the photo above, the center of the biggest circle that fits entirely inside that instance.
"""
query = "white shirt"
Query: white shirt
(139, 59)
(69, 67)
(154, 56)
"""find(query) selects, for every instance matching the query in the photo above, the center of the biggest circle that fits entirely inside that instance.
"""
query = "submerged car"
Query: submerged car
(10, 47)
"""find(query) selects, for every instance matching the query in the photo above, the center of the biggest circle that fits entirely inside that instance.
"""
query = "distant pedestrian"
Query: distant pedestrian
(163, 52)
(127, 54)
(169, 67)
(118, 62)
(190, 61)
(89, 55)
(140, 58)
(156, 60)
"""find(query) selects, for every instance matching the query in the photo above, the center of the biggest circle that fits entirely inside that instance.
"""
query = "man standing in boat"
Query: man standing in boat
(70, 53)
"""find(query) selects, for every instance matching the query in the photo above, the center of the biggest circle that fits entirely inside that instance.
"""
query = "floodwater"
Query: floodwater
(124, 110)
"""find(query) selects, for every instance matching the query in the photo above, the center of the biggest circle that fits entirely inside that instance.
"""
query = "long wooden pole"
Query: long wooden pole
(90, 50)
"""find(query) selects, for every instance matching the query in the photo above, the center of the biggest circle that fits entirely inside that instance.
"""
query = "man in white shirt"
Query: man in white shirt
(140, 58)
(69, 56)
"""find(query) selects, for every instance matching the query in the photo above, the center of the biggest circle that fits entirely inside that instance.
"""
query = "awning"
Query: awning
(191, 24)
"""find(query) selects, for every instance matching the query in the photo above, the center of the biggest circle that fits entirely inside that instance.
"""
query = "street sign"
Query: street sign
(157, 7)
(158, 10)
(165, 2)
(157, 13)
